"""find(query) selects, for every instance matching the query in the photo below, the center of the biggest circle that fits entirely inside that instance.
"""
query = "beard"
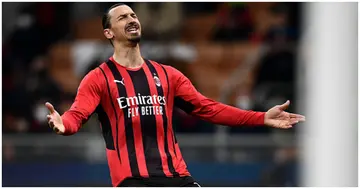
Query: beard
(135, 39)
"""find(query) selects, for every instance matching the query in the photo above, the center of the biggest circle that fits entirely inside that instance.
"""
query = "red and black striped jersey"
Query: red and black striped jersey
(135, 108)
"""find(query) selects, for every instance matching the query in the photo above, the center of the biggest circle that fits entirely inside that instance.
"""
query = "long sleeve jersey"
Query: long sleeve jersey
(135, 108)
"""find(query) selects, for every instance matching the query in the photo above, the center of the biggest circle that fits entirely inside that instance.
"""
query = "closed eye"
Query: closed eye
(133, 15)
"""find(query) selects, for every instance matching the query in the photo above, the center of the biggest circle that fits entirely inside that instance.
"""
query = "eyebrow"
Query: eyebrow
(122, 15)
(125, 14)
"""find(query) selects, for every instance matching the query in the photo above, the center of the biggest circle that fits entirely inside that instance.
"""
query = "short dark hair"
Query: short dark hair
(106, 17)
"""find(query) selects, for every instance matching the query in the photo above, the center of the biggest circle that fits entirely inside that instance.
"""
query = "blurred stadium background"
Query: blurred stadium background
(242, 54)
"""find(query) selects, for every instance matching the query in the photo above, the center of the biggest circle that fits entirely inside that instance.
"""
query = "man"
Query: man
(134, 99)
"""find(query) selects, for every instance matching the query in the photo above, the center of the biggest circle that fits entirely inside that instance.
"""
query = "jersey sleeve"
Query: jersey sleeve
(87, 99)
(191, 101)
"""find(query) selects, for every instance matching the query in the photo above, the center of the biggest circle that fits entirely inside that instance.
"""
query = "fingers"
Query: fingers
(52, 125)
(50, 122)
(285, 126)
(293, 121)
(49, 117)
(297, 116)
(285, 105)
(50, 107)
(56, 130)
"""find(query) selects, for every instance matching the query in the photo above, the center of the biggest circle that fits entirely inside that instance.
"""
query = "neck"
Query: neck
(128, 55)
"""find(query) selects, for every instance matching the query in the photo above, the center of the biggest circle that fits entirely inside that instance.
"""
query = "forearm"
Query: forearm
(86, 101)
(227, 115)
(72, 121)
(191, 101)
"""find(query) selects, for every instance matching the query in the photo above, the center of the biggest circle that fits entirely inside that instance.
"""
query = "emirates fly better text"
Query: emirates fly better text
(142, 105)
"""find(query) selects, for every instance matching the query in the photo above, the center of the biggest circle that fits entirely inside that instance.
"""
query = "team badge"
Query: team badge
(157, 81)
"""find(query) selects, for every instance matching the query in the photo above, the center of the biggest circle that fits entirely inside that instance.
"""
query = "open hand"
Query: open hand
(278, 118)
(54, 119)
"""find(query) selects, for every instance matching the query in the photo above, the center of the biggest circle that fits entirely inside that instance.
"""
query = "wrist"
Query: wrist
(66, 127)
(262, 118)
(258, 119)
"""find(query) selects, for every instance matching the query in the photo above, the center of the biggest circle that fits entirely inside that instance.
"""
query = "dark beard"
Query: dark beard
(135, 40)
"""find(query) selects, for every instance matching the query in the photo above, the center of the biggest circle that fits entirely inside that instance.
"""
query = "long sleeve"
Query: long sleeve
(87, 99)
(191, 101)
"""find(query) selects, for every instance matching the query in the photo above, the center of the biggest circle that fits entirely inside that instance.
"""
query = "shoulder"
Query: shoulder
(94, 74)
(169, 69)
(95, 78)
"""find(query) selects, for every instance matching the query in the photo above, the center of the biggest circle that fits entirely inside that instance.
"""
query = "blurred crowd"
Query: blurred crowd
(241, 54)
(49, 47)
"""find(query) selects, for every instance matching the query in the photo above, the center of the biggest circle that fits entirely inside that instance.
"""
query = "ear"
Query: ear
(108, 33)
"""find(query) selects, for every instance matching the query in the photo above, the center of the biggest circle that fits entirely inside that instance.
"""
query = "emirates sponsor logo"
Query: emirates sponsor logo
(142, 105)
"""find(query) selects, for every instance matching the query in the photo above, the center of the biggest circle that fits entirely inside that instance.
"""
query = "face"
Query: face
(125, 26)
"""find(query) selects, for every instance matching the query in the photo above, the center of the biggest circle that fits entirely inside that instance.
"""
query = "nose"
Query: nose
(132, 23)
(131, 19)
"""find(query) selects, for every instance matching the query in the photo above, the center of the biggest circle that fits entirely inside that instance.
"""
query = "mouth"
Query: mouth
(132, 29)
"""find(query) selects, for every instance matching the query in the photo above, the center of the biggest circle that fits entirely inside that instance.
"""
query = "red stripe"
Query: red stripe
(169, 110)
(139, 148)
(159, 123)
(182, 169)
(125, 170)
(171, 148)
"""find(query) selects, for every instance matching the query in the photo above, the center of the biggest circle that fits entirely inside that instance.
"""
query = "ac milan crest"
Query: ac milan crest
(157, 81)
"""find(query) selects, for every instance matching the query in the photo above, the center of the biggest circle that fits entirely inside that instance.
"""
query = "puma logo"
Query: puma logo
(122, 81)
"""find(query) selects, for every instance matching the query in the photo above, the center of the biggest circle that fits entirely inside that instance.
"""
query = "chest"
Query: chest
(138, 88)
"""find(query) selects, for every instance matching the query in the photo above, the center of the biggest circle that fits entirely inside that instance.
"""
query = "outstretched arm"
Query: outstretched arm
(191, 101)
(87, 99)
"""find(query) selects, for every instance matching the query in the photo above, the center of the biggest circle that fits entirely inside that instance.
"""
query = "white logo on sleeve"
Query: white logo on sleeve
(122, 81)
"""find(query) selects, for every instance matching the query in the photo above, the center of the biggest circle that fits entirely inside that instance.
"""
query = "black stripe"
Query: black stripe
(116, 117)
(167, 97)
(183, 105)
(175, 139)
(148, 124)
(105, 127)
(165, 123)
(167, 80)
(130, 141)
